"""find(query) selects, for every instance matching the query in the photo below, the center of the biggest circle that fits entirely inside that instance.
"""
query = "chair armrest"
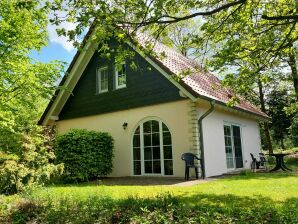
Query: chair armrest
(198, 158)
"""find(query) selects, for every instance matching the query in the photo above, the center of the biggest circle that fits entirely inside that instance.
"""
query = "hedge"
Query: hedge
(87, 155)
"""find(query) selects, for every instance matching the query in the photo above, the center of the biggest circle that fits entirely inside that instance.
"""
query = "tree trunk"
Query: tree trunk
(293, 66)
(282, 144)
(266, 126)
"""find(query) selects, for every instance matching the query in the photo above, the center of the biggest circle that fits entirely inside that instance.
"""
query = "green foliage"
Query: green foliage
(30, 166)
(293, 130)
(26, 85)
(86, 155)
(166, 208)
(249, 36)
(277, 101)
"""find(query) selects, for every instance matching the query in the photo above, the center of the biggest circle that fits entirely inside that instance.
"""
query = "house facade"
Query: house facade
(154, 117)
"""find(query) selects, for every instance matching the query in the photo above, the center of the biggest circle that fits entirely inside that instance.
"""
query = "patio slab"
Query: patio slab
(151, 181)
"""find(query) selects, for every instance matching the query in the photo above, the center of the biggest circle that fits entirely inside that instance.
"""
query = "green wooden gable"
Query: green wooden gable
(144, 86)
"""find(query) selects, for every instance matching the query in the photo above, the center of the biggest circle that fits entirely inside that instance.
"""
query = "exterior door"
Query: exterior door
(233, 146)
(152, 149)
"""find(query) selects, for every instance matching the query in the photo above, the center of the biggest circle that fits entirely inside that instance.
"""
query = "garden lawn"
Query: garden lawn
(246, 198)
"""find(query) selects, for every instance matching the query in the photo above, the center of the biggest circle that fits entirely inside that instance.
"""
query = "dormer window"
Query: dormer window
(102, 80)
(120, 75)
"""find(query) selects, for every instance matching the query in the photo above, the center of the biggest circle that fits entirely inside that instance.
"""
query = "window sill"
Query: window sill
(101, 92)
(120, 87)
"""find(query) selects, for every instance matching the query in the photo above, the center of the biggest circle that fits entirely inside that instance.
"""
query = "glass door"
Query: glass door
(152, 161)
(233, 146)
(152, 149)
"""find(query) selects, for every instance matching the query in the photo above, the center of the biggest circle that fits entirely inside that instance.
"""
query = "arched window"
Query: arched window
(152, 149)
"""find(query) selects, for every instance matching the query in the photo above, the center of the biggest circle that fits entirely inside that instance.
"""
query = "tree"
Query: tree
(293, 130)
(232, 30)
(26, 85)
(277, 101)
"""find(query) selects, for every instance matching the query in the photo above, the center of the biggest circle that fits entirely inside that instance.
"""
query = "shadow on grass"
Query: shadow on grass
(264, 175)
(197, 208)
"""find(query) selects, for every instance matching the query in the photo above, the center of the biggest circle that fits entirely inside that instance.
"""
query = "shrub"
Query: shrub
(86, 155)
(29, 167)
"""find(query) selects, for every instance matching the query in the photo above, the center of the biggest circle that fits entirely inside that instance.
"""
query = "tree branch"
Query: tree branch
(294, 17)
(178, 19)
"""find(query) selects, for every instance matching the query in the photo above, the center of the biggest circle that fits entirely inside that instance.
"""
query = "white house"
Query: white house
(154, 117)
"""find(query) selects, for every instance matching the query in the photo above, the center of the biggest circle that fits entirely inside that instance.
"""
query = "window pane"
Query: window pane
(103, 79)
(156, 153)
(136, 141)
(167, 138)
(156, 167)
(229, 150)
(137, 130)
(148, 166)
(237, 146)
(164, 128)
(148, 153)
(123, 69)
(227, 130)
(147, 140)
(167, 152)
(147, 127)
(228, 141)
(155, 139)
(230, 163)
(137, 167)
(121, 72)
(155, 126)
(168, 167)
(136, 154)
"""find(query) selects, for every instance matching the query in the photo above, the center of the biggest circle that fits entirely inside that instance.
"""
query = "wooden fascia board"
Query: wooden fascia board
(71, 80)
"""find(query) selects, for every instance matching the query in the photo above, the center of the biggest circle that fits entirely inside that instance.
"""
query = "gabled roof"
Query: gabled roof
(204, 84)
(199, 84)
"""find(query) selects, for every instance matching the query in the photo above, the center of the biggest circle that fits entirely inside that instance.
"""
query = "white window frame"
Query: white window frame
(230, 124)
(116, 77)
(99, 89)
(140, 124)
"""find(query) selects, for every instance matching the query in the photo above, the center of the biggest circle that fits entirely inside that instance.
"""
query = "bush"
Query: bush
(29, 167)
(86, 155)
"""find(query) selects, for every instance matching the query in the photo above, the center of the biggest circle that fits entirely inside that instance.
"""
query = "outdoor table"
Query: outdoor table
(279, 157)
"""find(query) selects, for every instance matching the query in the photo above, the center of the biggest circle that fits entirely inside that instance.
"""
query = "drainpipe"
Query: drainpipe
(200, 121)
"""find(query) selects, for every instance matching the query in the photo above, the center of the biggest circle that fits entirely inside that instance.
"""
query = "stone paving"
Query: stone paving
(152, 181)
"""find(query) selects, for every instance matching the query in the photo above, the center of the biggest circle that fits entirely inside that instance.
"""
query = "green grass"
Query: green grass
(245, 198)
(276, 186)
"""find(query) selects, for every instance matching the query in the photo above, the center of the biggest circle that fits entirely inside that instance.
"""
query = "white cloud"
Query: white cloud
(61, 40)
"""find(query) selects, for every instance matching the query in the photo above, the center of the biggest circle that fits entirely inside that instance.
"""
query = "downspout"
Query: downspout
(200, 121)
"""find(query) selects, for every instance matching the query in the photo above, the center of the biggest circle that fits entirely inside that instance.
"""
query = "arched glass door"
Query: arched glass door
(152, 149)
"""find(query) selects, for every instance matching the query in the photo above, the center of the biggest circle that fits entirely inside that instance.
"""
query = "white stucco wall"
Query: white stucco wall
(178, 116)
(175, 115)
(213, 133)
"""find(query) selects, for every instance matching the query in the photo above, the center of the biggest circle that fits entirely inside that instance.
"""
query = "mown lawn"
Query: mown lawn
(245, 198)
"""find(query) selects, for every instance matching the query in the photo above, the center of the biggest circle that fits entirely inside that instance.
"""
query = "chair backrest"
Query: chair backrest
(262, 157)
(189, 158)
(252, 157)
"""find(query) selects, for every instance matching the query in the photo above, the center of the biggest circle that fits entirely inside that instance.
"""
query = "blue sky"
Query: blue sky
(54, 51)
(58, 48)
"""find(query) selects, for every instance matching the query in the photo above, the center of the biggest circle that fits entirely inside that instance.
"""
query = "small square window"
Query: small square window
(120, 73)
(102, 80)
